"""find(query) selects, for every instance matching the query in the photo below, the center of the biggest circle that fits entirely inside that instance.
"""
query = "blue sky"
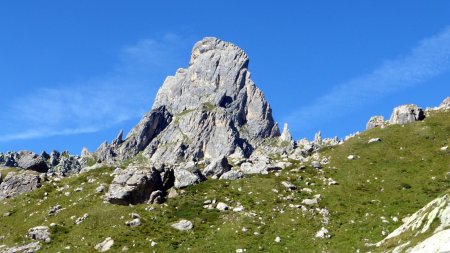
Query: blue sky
(73, 73)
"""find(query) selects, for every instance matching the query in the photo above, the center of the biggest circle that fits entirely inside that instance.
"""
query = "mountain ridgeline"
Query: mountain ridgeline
(206, 168)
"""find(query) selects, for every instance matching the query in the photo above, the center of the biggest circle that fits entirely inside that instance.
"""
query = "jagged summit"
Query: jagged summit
(208, 110)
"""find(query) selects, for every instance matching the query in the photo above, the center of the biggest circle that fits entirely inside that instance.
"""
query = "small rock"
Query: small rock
(133, 223)
(374, 140)
(323, 233)
(100, 189)
(222, 206)
(277, 239)
(316, 164)
(183, 225)
(6, 214)
(40, 233)
(289, 185)
(238, 209)
(153, 244)
(81, 219)
(309, 202)
(135, 216)
(105, 245)
(54, 210)
(172, 193)
(78, 189)
(444, 148)
(350, 157)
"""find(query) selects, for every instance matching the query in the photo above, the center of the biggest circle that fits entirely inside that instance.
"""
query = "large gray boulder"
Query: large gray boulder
(405, 114)
(205, 111)
(133, 186)
(217, 167)
(375, 121)
(16, 183)
(31, 161)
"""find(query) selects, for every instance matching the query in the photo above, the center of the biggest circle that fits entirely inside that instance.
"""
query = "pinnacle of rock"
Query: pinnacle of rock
(205, 111)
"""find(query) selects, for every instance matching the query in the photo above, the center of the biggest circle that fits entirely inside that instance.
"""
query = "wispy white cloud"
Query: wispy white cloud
(98, 102)
(431, 57)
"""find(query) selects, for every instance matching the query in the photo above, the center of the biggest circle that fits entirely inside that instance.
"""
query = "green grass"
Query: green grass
(405, 170)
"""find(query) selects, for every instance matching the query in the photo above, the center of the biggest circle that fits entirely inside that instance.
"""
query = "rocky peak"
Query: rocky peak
(205, 111)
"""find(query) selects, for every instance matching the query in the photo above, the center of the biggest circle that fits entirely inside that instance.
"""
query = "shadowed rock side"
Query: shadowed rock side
(205, 111)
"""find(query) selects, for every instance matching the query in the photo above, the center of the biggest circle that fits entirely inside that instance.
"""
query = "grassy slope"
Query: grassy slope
(400, 182)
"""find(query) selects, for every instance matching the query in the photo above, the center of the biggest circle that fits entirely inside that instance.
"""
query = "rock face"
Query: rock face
(132, 186)
(375, 121)
(421, 222)
(405, 114)
(205, 111)
(16, 183)
(445, 105)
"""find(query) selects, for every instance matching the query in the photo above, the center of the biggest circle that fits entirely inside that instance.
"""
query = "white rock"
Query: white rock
(183, 225)
(105, 245)
(222, 206)
(277, 239)
(350, 157)
(444, 148)
(323, 233)
(374, 140)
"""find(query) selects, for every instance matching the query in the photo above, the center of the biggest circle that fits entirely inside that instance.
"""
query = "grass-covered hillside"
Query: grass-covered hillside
(385, 182)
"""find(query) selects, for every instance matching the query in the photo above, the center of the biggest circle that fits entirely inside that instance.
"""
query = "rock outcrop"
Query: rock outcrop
(424, 222)
(405, 114)
(375, 121)
(133, 186)
(445, 105)
(31, 161)
(205, 111)
(61, 164)
(16, 183)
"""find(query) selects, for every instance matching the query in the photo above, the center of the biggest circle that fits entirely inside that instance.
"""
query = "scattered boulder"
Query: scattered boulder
(375, 121)
(316, 164)
(81, 219)
(232, 175)
(100, 189)
(28, 248)
(31, 161)
(350, 157)
(54, 210)
(405, 114)
(289, 185)
(184, 178)
(16, 183)
(133, 223)
(172, 193)
(310, 202)
(105, 245)
(277, 239)
(40, 233)
(156, 197)
(222, 206)
(374, 140)
(132, 186)
(183, 225)
(217, 167)
(323, 233)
